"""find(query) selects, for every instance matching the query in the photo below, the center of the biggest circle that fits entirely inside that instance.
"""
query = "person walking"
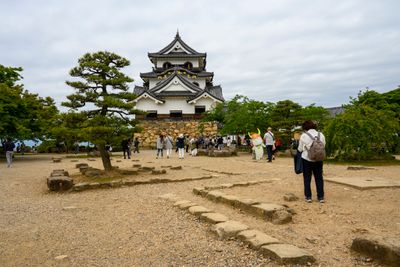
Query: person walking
(169, 143)
(311, 166)
(136, 145)
(269, 139)
(9, 149)
(160, 145)
(180, 145)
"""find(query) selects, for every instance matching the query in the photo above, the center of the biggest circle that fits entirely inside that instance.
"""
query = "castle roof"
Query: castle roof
(171, 50)
(154, 74)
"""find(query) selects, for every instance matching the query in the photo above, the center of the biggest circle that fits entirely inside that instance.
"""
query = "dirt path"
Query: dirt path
(133, 227)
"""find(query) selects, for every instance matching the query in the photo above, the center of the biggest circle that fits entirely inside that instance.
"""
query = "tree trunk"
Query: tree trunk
(105, 157)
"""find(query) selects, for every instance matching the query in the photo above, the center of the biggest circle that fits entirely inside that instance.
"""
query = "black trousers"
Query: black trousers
(315, 168)
(269, 152)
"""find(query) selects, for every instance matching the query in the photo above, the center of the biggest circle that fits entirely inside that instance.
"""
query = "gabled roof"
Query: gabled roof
(153, 74)
(183, 79)
(164, 52)
(142, 92)
(214, 92)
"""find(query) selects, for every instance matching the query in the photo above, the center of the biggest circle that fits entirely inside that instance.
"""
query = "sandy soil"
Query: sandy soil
(133, 227)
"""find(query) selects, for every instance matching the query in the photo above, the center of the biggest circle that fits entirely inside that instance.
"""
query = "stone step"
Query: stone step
(287, 254)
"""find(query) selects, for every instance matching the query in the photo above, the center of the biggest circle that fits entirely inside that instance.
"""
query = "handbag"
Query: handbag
(298, 163)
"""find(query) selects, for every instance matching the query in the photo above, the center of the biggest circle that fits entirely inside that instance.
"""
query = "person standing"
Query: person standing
(311, 166)
(169, 143)
(9, 149)
(187, 143)
(76, 145)
(180, 145)
(160, 145)
(125, 148)
(269, 143)
(136, 145)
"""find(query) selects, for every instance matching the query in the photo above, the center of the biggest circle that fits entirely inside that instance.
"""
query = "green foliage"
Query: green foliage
(108, 118)
(368, 129)
(241, 115)
(23, 115)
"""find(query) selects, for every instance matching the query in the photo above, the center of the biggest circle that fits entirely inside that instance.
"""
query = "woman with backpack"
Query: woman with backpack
(312, 146)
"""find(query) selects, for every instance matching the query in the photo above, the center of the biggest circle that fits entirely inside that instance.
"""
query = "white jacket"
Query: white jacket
(306, 141)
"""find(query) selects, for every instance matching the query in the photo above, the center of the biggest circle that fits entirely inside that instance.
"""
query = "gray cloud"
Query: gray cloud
(321, 52)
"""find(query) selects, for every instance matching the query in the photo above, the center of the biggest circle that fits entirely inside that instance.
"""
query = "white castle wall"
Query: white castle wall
(174, 104)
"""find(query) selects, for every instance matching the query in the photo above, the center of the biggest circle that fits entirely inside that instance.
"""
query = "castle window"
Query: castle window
(188, 66)
(167, 65)
(175, 113)
(151, 114)
(199, 109)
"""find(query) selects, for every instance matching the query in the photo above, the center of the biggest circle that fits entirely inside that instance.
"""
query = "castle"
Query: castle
(178, 87)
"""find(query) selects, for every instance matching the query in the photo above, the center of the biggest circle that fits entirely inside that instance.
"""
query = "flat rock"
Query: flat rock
(137, 165)
(158, 172)
(179, 202)
(213, 217)
(364, 183)
(55, 173)
(265, 209)
(61, 257)
(187, 205)
(176, 168)
(197, 210)
(245, 203)
(214, 195)
(69, 208)
(170, 197)
(60, 183)
(78, 165)
(384, 249)
(287, 254)
(81, 186)
(229, 199)
(197, 190)
(228, 229)
(255, 239)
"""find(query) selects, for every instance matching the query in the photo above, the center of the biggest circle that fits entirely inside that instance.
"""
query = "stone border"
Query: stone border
(277, 214)
(115, 184)
(257, 240)
(221, 172)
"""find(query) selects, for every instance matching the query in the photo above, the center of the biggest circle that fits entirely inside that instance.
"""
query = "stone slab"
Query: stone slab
(213, 217)
(170, 197)
(214, 195)
(229, 199)
(197, 190)
(180, 202)
(255, 239)
(228, 229)
(386, 250)
(364, 183)
(197, 210)
(245, 203)
(187, 205)
(287, 254)
(265, 210)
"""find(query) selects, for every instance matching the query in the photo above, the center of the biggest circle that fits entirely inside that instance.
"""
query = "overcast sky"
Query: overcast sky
(318, 52)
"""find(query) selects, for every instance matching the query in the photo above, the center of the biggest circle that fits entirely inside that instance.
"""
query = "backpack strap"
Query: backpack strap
(312, 137)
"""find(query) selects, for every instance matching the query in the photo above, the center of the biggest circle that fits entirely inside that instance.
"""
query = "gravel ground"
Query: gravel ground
(133, 227)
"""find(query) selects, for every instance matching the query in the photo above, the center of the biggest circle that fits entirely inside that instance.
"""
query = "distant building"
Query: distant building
(178, 87)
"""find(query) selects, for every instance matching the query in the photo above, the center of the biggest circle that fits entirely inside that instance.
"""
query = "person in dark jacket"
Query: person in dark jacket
(9, 149)
(125, 148)
(180, 145)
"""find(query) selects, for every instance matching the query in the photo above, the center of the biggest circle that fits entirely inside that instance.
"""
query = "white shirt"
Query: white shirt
(269, 138)
(306, 141)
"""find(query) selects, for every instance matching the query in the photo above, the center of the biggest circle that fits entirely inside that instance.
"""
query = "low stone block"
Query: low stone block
(265, 210)
(129, 183)
(214, 195)
(146, 169)
(197, 190)
(78, 165)
(94, 185)
(255, 239)
(166, 166)
(384, 249)
(59, 183)
(179, 202)
(281, 217)
(290, 197)
(287, 254)
(213, 217)
(228, 229)
(129, 172)
(56, 160)
(197, 210)
(229, 199)
(158, 172)
(137, 165)
(89, 159)
(56, 173)
(176, 168)
(245, 203)
(228, 185)
(74, 160)
(81, 187)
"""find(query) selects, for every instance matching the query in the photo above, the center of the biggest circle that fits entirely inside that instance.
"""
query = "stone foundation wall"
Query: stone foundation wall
(151, 130)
